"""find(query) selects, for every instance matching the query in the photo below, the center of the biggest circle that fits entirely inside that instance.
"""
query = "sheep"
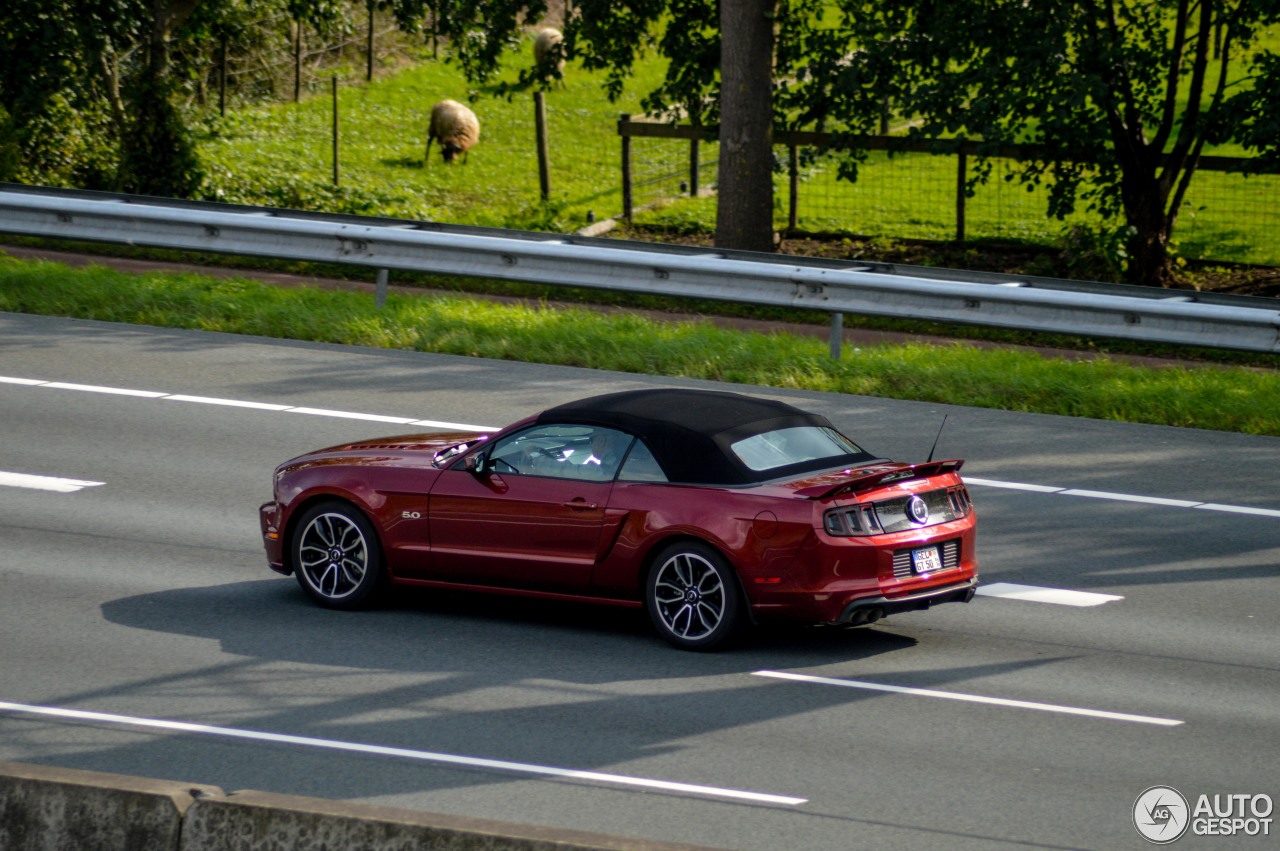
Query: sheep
(548, 47)
(455, 126)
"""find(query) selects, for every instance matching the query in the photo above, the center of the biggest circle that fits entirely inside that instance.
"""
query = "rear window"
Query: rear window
(796, 445)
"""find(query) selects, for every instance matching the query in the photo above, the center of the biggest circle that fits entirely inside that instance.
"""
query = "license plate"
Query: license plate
(926, 560)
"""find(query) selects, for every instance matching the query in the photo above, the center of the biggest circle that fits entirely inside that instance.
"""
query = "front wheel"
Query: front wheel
(692, 597)
(336, 556)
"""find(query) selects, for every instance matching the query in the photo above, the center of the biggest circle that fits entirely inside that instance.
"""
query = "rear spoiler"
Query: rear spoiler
(878, 476)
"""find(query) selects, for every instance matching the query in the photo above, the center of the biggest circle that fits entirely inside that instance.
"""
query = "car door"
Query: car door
(535, 517)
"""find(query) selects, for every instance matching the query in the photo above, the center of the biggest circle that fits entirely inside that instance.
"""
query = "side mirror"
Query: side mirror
(479, 463)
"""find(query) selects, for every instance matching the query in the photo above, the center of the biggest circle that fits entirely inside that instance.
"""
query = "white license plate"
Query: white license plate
(926, 560)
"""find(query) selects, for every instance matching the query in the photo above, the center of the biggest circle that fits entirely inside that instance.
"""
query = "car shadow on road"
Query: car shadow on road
(537, 683)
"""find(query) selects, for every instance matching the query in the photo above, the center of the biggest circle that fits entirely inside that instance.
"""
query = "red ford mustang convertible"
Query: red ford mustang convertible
(709, 509)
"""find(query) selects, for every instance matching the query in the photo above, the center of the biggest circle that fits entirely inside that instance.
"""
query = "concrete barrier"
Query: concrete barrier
(62, 809)
(262, 821)
(59, 809)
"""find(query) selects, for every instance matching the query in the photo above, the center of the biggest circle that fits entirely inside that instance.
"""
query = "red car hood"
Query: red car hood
(408, 443)
(868, 478)
(413, 448)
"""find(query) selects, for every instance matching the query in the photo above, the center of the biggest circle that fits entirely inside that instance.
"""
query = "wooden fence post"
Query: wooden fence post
(793, 202)
(544, 151)
(368, 73)
(297, 61)
(222, 77)
(694, 165)
(962, 168)
(626, 167)
(335, 131)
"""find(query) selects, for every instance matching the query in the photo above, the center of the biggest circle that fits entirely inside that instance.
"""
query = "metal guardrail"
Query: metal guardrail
(1032, 304)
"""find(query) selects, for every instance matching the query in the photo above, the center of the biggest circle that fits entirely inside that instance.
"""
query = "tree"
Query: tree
(89, 86)
(1121, 95)
(744, 209)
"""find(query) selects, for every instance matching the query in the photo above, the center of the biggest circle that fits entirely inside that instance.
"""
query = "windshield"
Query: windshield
(796, 445)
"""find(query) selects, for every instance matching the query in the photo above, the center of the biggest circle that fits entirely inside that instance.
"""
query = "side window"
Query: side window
(561, 451)
(641, 466)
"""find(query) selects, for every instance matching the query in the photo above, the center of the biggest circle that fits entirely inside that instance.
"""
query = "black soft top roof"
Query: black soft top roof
(690, 431)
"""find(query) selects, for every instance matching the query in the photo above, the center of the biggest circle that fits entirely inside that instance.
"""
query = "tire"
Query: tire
(692, 596)
(337, 557)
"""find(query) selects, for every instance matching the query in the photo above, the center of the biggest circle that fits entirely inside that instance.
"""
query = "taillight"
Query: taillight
(961, 505)
(851, 521)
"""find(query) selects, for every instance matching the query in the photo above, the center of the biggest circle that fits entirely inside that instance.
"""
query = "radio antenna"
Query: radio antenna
(935, 440)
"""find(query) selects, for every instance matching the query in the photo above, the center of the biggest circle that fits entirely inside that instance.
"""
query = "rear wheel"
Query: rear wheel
(692, 597)
(336, 555)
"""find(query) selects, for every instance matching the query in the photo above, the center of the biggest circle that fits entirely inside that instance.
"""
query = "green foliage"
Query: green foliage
(281, 155)
(1096, 253)
(1106, 90)
(158, 156)
(1240, 400)
(10, 159)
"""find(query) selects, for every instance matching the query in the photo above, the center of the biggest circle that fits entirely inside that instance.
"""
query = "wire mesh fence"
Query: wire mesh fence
(905, 193)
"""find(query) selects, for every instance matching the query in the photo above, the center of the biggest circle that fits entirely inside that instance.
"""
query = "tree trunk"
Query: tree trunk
(1145, 195)
(744, 206)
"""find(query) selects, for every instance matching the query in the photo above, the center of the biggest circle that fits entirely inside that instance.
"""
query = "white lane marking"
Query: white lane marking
(1239, 509)
(266, 406)
(974, 698)
(1122, 497)
(350, 415)
(427, 756)
(1036, 594)
(45, 483)
(114, 391)
(235, 403)
(989, 483)
(231, 403)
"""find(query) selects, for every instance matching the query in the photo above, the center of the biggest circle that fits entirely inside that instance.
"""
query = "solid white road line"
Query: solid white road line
(235, 403)
(44, 483)
(973, 698)
(427, 756)
(352, 415)
(1036, 594)
(1122, 497)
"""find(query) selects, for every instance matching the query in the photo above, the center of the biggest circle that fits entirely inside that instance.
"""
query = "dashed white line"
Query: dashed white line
(427, 756)
(974, 698)
(1036, 594)
(44, 483)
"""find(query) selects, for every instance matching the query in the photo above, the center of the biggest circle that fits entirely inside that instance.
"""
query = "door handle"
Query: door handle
(579, 505)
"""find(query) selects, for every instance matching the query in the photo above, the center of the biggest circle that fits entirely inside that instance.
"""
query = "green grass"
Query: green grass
(1225, 399)
(281, 155)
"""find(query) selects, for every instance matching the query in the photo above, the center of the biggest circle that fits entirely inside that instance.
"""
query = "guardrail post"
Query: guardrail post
(380, 291)
(626, 167)
(837, 335)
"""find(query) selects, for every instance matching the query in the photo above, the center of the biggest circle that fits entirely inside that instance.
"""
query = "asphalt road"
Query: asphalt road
(139, 591)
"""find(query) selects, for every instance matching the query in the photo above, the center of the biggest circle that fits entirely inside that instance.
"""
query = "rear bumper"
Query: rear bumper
(871, 609)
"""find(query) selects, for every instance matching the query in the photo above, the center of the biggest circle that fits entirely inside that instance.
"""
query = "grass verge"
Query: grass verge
(1225, 399)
